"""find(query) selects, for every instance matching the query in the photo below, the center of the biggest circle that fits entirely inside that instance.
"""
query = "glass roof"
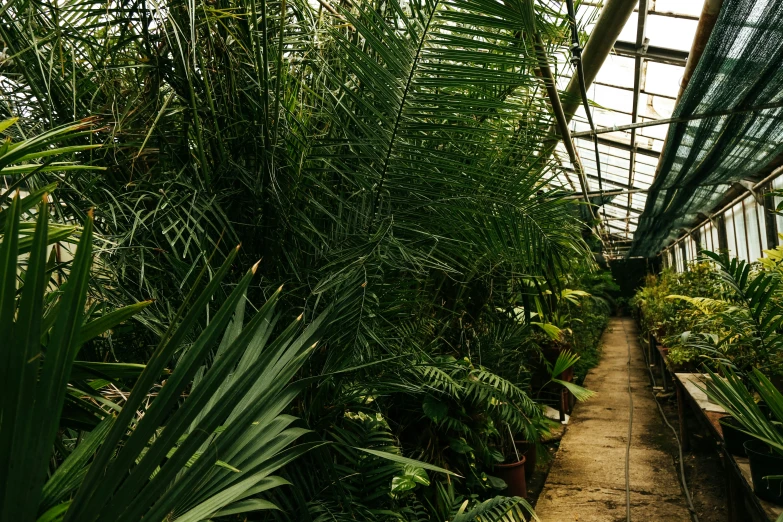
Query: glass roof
(629, 158)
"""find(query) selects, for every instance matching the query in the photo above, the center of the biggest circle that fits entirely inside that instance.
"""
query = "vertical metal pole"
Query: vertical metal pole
(723, 237)
(734, 230)
(770, 219)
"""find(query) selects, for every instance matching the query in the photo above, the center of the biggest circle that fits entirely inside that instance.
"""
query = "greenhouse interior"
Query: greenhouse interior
(391, 260)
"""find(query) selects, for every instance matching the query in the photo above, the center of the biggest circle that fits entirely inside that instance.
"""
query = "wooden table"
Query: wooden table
(743, 504)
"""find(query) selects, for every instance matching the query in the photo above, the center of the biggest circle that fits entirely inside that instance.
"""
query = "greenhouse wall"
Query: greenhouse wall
(744, 228)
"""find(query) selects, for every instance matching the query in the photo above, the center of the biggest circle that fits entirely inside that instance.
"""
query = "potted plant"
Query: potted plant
(518, 449)
(513, 474)
(765, 447)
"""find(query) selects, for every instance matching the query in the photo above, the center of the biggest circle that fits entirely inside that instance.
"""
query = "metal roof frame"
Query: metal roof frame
(632, 153)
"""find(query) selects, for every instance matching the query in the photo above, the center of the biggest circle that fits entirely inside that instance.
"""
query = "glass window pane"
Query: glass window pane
(739, 230)
(732, 242)
(715, 240)
(761, 213)
(752, 224)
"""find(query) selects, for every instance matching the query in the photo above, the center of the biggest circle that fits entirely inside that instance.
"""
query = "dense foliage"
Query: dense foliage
(671, 320)
(382, 161)
(726, 315)
(721, 310)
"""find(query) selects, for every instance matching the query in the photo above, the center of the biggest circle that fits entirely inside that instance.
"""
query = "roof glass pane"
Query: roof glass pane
(682, 7)
(612, 97)
(668, 32)
(671, 24)
(642, 168)
(642, 181)
(655, 107)
(662, 78)
(617, 70)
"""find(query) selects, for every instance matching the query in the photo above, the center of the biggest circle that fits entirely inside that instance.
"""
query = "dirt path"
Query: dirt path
(587, 482)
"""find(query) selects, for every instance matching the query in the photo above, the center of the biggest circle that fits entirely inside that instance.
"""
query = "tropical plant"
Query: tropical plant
(382, 157)
(497, 509)
(357, 142)
(665, 313)
(729, 391)
(154, 457)
(742, 327)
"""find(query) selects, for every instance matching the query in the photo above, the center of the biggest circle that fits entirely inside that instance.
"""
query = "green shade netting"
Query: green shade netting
(742, 67)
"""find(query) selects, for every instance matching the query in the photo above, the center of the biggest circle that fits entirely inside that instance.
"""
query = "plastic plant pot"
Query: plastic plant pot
(513, 475)
(733, 438)
(764, 463)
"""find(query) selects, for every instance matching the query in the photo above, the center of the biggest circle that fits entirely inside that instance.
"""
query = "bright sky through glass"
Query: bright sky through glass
(670, 29)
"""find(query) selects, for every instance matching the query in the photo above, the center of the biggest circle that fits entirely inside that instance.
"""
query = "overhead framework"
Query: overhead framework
(741, 68)
(637, 83)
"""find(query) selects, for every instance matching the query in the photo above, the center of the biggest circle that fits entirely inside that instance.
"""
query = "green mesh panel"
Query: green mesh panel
(742, 66)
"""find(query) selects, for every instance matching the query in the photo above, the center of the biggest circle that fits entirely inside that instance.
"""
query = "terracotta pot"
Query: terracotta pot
(528, 452)
(514, 476)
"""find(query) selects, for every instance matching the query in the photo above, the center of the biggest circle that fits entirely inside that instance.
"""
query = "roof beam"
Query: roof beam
(666, 121)
(550, 85)
(631, 209)
(610, 192)
(622, 88)
(651, 52)
(625, 146)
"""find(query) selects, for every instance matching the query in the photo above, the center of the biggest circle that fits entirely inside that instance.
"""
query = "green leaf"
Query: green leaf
(105, 323)
(68, 476)
(460, 446)
(409, 478)
(244, 506)
(581, 394)
(404, 460)
(402, 483)
(551, 330)
(55, 513)
(434, 409)
(7, 123)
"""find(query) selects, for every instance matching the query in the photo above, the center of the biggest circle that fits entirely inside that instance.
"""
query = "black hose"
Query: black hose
(684, 484)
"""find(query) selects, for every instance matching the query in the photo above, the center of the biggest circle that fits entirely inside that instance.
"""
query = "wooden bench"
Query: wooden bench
(743, 504)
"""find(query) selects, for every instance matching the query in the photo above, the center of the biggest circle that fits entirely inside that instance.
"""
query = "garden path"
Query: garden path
(587, 480)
